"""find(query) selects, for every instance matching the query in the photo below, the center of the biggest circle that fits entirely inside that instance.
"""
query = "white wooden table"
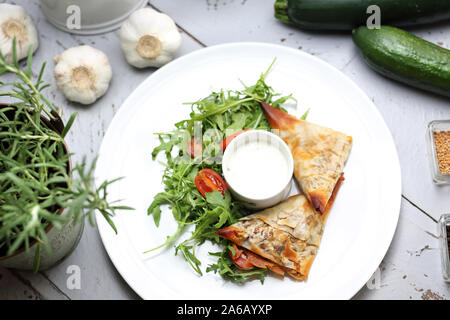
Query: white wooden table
(411, 268)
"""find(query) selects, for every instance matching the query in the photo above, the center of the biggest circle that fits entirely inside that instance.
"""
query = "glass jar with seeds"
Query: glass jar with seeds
(438, 138)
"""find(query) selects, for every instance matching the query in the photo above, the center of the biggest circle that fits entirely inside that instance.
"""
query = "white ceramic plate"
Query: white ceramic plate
(360, 226)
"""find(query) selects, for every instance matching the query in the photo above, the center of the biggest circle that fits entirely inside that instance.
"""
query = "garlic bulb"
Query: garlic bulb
(149, 38)
(83, 74)
(14, 22)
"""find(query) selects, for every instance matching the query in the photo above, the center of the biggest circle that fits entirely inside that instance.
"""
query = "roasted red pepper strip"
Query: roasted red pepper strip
(246, 259)
(240, 258)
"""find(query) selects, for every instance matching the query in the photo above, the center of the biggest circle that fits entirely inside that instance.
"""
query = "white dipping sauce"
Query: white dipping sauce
(258, 169)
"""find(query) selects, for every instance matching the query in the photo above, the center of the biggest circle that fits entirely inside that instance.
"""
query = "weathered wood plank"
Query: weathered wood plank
(411, 268)
(11, 288)
(28, 286)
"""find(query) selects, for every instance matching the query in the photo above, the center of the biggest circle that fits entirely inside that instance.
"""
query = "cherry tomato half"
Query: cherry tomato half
(208, 180)
(228, 139)
(195, 148)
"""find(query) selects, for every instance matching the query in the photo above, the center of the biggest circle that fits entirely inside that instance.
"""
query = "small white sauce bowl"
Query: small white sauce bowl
(266, 167)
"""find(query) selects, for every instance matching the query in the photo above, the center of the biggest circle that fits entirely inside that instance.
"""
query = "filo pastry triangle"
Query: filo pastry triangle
(284, 238)
(319, 154)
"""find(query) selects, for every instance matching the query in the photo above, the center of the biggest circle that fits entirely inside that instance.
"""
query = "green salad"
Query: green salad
(214, 118)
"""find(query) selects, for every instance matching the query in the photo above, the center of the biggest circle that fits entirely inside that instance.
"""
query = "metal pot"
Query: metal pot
(89, 16)
(62, 242)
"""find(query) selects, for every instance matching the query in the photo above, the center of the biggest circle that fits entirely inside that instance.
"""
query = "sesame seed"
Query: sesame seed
(442, 143)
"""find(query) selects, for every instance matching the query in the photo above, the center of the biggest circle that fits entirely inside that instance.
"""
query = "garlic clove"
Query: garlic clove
(82, 74)
(14, 22)
(171, 41)
(149, 38)
(149, 20)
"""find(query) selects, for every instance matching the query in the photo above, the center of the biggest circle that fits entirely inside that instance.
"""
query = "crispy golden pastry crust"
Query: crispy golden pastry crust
(288, 234)
(319, 154)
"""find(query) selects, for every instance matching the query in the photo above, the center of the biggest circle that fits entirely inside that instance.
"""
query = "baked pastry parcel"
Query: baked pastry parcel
(319, 153)
(287, 234)
(286, 237)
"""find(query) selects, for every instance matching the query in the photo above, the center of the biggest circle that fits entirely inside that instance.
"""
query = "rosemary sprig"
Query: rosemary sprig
(35, 178)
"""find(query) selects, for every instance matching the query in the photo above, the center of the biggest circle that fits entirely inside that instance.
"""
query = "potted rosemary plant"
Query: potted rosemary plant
(43, 199)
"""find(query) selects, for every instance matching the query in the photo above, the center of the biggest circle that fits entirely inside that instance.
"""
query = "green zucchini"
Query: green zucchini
(404, 57)
(348, 14)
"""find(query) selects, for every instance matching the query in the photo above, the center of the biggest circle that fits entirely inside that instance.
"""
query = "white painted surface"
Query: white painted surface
(410, 268)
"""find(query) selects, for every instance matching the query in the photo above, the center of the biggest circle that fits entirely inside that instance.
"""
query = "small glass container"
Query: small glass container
(444, 238)
(436, 126)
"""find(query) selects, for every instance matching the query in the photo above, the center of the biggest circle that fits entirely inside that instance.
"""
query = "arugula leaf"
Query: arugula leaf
(303, 117)
(215, 198)
(238, 123)
(156, 212)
